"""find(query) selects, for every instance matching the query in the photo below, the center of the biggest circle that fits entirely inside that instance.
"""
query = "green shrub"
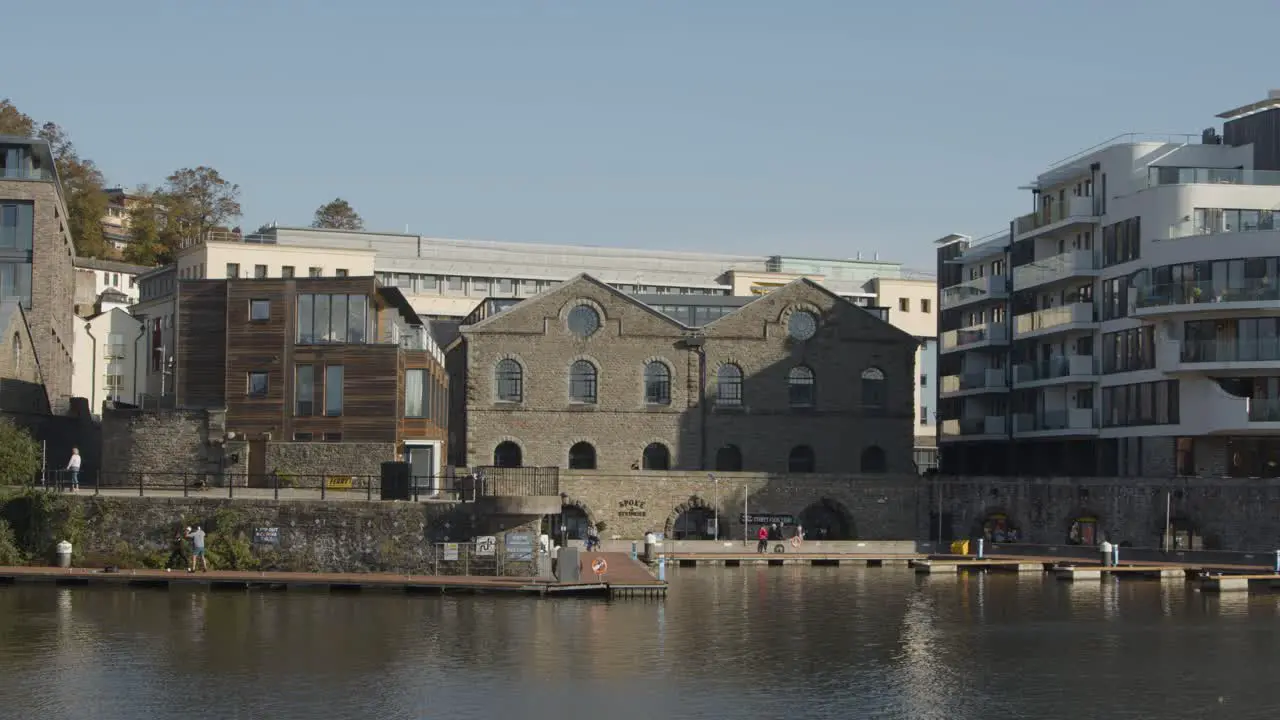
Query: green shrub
(19, 455)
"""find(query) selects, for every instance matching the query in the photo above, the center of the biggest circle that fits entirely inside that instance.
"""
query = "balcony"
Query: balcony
(1077, 209)
(1207, 296)
(1077, 263)
(1058, 369)
(113, 351)
(1056, 423)
(993, 287)
(1218, 355)
(972, 338)
(1158, 176)
(972, 383)
(1074, 316)
(1207, 409)
(990, 427)
(20, 173)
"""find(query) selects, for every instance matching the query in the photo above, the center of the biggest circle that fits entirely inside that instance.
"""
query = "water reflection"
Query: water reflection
(744, 643)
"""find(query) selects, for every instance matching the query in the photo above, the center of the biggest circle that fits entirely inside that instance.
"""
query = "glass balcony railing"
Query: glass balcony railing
(1057, 419)
(989, 425)
(1054, 317)
(1079, 207)
(1057, 267)
(19, 173)
(1216, 351)
(1157, 176)
(990, 332)
(979, 380)
(976, 289)
(1058, 366)
(1208, 291)
(1264, 409)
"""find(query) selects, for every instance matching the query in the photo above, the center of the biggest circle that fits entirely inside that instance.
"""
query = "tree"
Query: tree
(338, 215)
(14, 122)
(19, 455)
(82, 192)
(197, 200)
(150, 240)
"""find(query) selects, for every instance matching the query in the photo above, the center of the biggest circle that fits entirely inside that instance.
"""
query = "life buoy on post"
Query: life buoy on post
(795, 541)
(599, 566)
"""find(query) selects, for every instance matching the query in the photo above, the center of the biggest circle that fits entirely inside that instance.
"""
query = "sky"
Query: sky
(821, 128)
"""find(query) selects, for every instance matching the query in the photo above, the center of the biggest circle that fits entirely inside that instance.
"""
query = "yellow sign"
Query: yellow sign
(338, 482)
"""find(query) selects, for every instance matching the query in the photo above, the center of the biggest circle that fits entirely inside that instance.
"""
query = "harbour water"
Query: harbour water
(749, 643)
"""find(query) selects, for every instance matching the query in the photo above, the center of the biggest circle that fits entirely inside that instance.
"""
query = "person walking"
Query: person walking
(762, 539)
(73, 469)
(197, 549)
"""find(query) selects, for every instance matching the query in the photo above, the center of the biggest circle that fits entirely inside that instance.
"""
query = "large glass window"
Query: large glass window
(417, 400)
(16, 226)
(509, 379)
(333, 390)
(1152, 403)
(15, 282)
(800, 387)
(582, 382)
(304, 390)
(657, 384)
(874, 394)
(729, 385)
(325, 318)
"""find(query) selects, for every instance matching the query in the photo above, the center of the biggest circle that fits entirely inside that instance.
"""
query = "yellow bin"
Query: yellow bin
(959, 547)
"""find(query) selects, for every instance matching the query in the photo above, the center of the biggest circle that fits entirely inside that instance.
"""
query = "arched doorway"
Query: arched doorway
(827, 520)
(729, 459)
(507, 455)
(1084, 529)
(693, 520)
(997, 527)
(570, 524)
(873, 460)
(801, 460)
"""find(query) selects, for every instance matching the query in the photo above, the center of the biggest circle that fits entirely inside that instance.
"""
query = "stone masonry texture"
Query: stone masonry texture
(321, 459)
(545, 424)
(52, 286)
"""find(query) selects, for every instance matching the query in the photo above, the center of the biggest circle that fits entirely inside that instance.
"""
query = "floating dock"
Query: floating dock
(951, 567)
(743, 559)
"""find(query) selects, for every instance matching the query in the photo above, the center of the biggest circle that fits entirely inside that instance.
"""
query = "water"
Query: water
(745, 644)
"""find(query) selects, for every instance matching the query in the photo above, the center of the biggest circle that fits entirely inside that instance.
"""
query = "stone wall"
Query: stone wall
(319, 458)
(159, 443)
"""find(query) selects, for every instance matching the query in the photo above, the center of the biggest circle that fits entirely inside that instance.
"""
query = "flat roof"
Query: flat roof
(1272, 101)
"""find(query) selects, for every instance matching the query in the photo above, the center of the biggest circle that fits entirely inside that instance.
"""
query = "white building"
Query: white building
(109, 356)
(1128, 325)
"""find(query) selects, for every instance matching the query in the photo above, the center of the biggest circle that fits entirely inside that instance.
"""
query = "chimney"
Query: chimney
(1273, 94)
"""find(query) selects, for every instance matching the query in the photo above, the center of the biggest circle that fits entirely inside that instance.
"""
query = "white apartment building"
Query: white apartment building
(109, 357)
(95, 277)
(1128, 325)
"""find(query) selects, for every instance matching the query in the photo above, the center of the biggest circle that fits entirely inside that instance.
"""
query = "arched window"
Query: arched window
(582, 382)
(873, 460)
(656, 457)
(729, 386)
(582, 456)
(873, 391)
(509, 379)
(801, 459)
(729, 459)
(17, 353)
(800, 386)
(657, 384)
(507, 455)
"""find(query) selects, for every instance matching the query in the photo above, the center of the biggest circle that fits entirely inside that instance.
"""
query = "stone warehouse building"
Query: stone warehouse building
(317, 376)
(586, 377)
(36, 256)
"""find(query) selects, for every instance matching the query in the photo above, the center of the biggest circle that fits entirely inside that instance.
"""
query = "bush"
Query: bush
(19, 455)
(9, 552)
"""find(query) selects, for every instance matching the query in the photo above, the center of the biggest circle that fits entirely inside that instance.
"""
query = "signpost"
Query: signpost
(337, 482)
(451, 552)
(266, 536)
(486, 546)
(519, 547)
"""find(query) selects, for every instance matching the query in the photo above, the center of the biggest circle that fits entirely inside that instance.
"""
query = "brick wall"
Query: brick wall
(545, 424)
(157, 442)
(320, 459)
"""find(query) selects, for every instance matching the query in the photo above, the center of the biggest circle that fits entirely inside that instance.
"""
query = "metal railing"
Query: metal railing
(1235, 350)
(491, 481)
(1159, 175)
(275, 486)
(1208, 291)
(490, 558)
(1264, 409)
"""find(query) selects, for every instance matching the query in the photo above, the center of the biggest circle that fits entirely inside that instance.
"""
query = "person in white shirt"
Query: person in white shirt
(73, 468)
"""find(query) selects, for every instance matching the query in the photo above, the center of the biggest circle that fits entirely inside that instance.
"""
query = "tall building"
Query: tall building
(36, 255)
(1129, 324)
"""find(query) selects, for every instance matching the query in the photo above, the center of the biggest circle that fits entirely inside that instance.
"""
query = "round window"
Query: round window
(583, 321)
(802, 325)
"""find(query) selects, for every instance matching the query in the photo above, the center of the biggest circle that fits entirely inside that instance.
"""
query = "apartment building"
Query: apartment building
(95, 277)
(1128, 324)
(36, 255)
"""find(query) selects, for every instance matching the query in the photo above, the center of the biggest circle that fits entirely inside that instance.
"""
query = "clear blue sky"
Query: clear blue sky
(805, 127)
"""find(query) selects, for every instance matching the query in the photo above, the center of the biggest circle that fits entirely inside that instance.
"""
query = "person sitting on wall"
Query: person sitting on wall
(593, 538)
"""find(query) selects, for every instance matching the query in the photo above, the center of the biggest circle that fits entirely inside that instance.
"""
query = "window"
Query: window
(507, 455)
(15, 282)
(1121, 241)
(584, 321)
(582, 456)
(729, 386)
(233, 270)
(257, 385)
(17, 226)
(302, 437)
(332, 318)
(800, 386)
(333, 390)
(873, 389)
(802, 325)
(657, 384)
(333, 437)
(1185, 456)
(454, 283)
(259, 310)
(924, 381)
(286, 271)
(506, 286)
(417, 394)
(729, 459)
(801, 460)
(926, 305)
(1151, 403)
(904, 304)
(656, 457)
(924, 414)
(1129, 350)
(873, 460)
(304, 390)
(508, 379)
(341, 272)
(16, 349)
(259, 271)
(582, 382)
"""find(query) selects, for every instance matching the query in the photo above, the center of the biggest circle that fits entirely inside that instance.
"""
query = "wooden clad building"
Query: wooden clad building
(313, 360)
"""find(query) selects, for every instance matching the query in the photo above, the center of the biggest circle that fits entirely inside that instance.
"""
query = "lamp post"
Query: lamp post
(716, 481)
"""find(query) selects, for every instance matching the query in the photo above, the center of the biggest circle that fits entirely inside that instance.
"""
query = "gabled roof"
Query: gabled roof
(825, 291)
(563, 287)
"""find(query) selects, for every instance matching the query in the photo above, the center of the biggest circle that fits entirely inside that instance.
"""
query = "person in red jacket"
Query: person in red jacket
(763, 539)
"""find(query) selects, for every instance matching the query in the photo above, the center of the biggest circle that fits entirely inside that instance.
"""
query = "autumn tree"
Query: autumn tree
(14, 122)
(195, 201)
(83, 192)
(151, 242)
(337, 214)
